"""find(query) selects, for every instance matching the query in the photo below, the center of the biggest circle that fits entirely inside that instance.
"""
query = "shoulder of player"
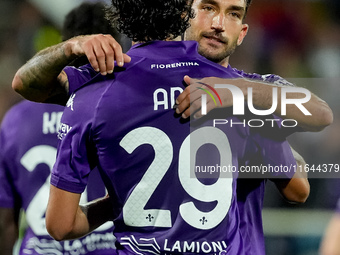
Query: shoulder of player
(81, 105)
(17, 112)
(270, 78)
(27, 110)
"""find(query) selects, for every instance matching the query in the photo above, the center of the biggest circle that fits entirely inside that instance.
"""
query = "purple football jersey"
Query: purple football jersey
(250, 192)
(152, 162)
(28, 150)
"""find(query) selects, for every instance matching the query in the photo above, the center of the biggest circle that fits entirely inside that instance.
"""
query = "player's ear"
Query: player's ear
(242, 34)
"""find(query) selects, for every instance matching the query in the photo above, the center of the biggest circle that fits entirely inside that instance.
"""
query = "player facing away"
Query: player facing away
(160, 206)
(250, 192)
(28, 140)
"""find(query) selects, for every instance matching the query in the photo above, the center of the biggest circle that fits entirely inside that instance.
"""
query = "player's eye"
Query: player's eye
(207, 8)
(235, 14)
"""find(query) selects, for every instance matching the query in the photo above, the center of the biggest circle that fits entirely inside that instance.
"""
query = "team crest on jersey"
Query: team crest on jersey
(70, 101)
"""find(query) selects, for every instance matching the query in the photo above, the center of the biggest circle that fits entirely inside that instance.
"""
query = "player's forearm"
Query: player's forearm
(321, 114)
(80, 228)
(88, 217)
(98, 212)
(296, 189)
(38, 79)
(64, 218)
(259, 97)
(63, 230)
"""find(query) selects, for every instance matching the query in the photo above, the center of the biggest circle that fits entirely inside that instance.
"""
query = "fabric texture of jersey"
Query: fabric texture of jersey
(125, 124)
(250, 192)
(28, 150)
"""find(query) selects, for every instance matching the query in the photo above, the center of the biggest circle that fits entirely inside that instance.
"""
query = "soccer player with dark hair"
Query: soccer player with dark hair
(127, 128)
(89, 18)
(28, 147)
(211, 28)
(298, 189)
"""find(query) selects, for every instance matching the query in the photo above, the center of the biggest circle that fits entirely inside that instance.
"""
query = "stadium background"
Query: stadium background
(296, 39)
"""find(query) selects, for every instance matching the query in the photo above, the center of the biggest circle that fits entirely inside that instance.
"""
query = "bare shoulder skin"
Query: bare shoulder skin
(321, 115)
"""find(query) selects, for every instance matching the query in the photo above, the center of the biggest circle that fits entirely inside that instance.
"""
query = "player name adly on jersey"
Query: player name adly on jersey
(165, 98)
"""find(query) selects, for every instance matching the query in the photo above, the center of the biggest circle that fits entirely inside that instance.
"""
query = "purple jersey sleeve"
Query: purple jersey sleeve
(6, 190)
(269, 78)
(250, 191)
(79, 76)
(277, 159)
(250, 194)
(73, 150)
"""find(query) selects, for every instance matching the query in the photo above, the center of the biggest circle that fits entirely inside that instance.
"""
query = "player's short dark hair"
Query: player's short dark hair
(146, 20)
(248, 2)
(89, 18)
(86, 19)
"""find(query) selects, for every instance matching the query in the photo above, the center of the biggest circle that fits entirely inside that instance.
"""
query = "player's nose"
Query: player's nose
(217, 22)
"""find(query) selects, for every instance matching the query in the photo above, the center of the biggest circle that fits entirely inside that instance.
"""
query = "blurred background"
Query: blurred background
(296, 39)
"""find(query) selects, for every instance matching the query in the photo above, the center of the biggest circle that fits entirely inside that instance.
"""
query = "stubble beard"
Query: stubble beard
(217, 57)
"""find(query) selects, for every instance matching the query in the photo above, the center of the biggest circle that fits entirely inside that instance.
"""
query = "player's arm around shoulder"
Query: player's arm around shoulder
(41, 79)
(296, 189)
(311, 112)
(314, 116)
